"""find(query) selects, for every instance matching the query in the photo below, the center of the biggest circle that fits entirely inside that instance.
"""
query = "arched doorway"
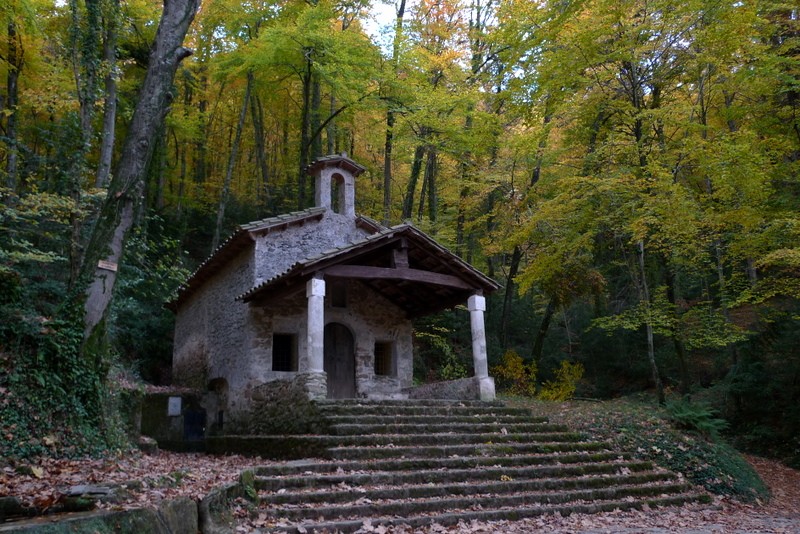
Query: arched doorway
(340, 361)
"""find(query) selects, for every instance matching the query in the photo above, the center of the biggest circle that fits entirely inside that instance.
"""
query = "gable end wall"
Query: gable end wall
(276, 252)
(212, 330)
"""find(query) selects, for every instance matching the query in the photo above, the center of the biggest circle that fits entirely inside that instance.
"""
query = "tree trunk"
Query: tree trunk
(465, 168)
(110, 101)
(305, 130)
(461, 220)
(85, 43)
(14, 60)
(430, 179)
(181, 182)
(387, 167)
(508, 296)
(330, 130)
(200, 147)
(651, 353)
(536, 174)
(85, 61)
(232, 157)
(544, 326)
(157, 168)
(257, 114)
(316, 120)
(390, 117)
(423, 195)
(680, 350)
(416, 168)
(117, 216)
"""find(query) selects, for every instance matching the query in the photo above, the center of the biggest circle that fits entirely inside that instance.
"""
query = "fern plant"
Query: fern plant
(697, 416)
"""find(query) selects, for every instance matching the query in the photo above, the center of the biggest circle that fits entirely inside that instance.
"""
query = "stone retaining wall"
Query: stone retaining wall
(462, 389)
(177, 516)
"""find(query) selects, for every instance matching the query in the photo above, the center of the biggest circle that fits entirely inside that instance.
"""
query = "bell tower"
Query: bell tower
(334, 183)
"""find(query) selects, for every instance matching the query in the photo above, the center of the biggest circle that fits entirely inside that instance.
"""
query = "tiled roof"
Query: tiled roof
(336, 160)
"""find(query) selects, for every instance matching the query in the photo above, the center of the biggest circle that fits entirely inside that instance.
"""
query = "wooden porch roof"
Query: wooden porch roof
(401, 263)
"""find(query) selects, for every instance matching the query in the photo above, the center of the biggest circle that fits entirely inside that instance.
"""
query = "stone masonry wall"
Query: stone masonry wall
(212, 331)
(462, 389)
(369, 317)
(277, 251)
(372, 318)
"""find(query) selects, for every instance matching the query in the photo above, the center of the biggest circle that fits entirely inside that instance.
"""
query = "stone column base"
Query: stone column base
(316, 385)
(486, 388)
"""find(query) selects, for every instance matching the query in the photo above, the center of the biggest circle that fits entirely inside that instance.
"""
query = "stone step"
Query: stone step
(413, 409)
(423, 419)
(368, 507)
(470, 449)
(444, 476)
(418, 462)
(344, 493)
(450, 518)
(402, 403)
(453, 438)
(458, 462)
(445, 428)
(372, 446)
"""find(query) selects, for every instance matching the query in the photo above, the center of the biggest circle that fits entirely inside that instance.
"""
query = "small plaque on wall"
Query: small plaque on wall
(174, 406)
(107, 265)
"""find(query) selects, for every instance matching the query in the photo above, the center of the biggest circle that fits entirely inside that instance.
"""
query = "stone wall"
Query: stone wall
(180, 430)
(212, 330)
(370, 318)
(280, 407)
(172, 516)
(463, 389)
(276, 252)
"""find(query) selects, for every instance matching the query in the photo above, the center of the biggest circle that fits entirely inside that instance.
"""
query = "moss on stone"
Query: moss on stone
(281, 408)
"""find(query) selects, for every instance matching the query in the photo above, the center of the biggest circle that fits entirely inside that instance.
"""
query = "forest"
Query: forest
(628, 170)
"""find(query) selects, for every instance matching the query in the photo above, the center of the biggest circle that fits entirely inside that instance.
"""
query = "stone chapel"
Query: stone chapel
(325, 297)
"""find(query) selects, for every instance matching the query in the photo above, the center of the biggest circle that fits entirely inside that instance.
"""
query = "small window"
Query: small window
(383, 358)
(337, 190)
(284, 352)
(338, 294)
(338, 194)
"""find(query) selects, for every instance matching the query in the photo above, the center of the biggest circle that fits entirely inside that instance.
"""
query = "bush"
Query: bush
(563, 387)
(516, 376)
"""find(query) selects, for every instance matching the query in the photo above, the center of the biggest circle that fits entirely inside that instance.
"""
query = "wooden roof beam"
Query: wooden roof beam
(401, 273)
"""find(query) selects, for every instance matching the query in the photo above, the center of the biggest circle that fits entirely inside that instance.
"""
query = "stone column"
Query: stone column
(316, 383)
(476, 306)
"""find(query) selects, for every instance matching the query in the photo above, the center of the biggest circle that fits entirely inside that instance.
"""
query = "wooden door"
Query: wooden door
(340, 361)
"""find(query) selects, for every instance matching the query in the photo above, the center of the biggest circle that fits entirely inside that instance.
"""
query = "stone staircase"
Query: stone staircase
(419, 462)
